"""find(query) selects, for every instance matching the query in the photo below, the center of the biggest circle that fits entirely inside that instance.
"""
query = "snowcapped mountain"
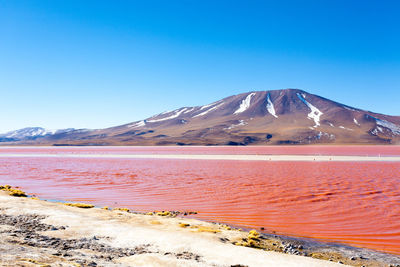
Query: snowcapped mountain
(30, 133)
(288, 116)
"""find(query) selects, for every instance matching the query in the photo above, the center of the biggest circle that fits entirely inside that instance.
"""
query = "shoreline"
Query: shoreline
(159, 240)
(306, 158)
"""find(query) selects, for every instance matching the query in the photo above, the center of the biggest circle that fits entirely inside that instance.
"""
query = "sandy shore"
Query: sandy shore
(40, 233)
(34, 232)
(216, 157)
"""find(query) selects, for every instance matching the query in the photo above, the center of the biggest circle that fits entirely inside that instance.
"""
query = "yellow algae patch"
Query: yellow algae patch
(104, 208)
(122, 209)
(170, 213)
(206, 229)
(252, 240)
(5, 187)
(13, 191)
(155, 222)
(17, 193)
(164, 213)
(255, 240)
(183, 225)
(189, 212)
(80, 205)
(226, 227)
(30, 260)
(35, 198)
(36, 262)
(253, 234)
(249, 243)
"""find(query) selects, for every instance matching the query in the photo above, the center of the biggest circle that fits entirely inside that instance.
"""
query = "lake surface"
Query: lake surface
(357, 203)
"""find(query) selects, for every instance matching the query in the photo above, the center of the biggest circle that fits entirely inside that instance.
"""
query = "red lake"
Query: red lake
(356, 203)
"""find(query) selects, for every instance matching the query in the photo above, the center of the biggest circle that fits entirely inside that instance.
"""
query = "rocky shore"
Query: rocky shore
(35, 232)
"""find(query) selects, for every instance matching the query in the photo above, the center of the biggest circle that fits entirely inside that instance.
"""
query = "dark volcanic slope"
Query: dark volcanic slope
(288, 116)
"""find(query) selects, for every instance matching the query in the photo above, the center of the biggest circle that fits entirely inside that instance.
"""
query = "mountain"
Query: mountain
(276, 117)
(29, 133)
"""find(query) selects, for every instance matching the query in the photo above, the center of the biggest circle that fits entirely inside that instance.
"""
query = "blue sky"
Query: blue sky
(95, 64)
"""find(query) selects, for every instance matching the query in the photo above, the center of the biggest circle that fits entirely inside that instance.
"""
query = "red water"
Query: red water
(350, 202)
(220, 150)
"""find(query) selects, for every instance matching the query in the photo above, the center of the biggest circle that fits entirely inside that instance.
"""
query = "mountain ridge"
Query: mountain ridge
(274, 117)
(30, 133)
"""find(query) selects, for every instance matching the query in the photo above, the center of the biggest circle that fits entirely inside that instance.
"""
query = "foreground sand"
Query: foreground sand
(40, 233)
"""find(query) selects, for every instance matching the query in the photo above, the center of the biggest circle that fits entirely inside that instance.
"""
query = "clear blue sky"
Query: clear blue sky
(94, 64)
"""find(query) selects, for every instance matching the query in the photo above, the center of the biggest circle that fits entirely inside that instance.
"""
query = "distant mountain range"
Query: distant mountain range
(30, 133)
(276, 117)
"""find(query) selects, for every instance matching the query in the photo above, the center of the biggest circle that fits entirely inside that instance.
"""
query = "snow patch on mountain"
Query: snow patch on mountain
(374, 132)
(189, 110)
(173, 116)
(391, 126)
(208, 110)
(394, 128)
(326, 135)
(241, 123)
(137, 124)
(67, 130)
(356, 122)
(315, 113)
(344, 128)
(166, 112)
(270, 107)
(210, 105)
(245, 104)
